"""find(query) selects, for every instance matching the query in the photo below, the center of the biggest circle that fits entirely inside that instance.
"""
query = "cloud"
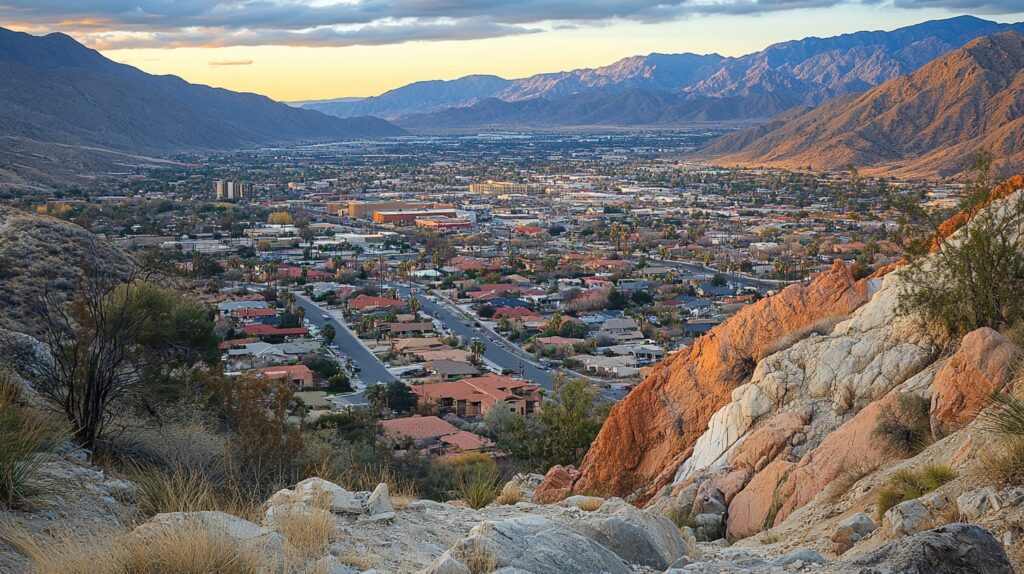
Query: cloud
(229, 63)
(111, 24)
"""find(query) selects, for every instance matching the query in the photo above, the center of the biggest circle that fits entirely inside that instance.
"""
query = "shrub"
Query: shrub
(907, 484)
(27, 440)
(1003, 463)
(178, 490)
(477, 558)
(510, 494)
(905, 427)
(478, 489)
(1006, 417)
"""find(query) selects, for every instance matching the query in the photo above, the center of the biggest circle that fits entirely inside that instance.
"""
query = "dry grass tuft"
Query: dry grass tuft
(907, 484)
(510, 494)
(1003, 464)
(27, 440)
(477, 558)
(186, 550)
(849, 476)
(307, 528)
(186, 490)
(357, 561)
(591, 504)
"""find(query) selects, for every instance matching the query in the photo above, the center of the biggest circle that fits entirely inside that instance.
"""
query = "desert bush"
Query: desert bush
(905, 426)
(849, 476)
(27, 441)
(510, 494)
(1003, 463)
(907, 484)
(1005, 416)
(477, 558)
(478, 489)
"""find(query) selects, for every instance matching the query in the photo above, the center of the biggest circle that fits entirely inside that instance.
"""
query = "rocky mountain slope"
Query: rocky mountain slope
(766, 429)
(40, 252)
(797, 73)
(57, 93)
(923, 124)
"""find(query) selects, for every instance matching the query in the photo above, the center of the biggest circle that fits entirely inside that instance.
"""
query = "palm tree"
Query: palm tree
(478, 348)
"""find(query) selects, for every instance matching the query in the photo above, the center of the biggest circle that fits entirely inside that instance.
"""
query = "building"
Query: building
(496, 187)
(366, 209)
(409, 216)
(476, 396)
(443, 223)
(229, 190)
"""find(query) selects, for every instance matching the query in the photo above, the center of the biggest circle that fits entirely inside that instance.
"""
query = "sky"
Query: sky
(296, 50)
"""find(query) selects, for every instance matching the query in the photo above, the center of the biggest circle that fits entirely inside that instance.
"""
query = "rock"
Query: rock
(906, 518)
(537, 544)
(446, 564)
(799, 558)
(709, 526)
(526, 483)
(753, 508)
(557, 484)
(510, 570)
(983, 364)
(731, 484)
(332, 565)
(250, 536)
(709, 503)
(852, 530)
(952, 549)
(636, 536)
(319, 492)
(379, 502)
(649, 434)
(583, 502)
(973, 504)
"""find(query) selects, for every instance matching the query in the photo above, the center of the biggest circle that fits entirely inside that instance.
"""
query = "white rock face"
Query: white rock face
(828, 376)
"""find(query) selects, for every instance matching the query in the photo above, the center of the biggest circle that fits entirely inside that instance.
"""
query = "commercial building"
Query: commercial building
(443, 223)
(409, 217)
(366, 209)
(229, 190)
(496, 187)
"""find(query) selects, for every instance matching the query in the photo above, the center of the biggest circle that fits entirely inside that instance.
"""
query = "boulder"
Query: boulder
(636, 536)
(319, 492)
(731, 484)
(906, 518)
(557, 484)
(379, 502)
(852, 530)
(952, 549)
(248, 535)
(974, 504)
(446, 564)
(798, 559)
(583, 502)
(526, 483)
(983, 364)
(537, 544)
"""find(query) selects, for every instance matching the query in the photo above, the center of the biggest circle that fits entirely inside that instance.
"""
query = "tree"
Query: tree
(394, 396)
(971, 278)
(329, 333)
(280, 218)
(616, 300)
(113, 338)
(478, 348)
(561, 433)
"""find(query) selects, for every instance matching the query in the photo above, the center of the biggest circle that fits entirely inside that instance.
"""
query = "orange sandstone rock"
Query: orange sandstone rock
(984, 363)
(753, 509)
(652, 431)
(557, 484)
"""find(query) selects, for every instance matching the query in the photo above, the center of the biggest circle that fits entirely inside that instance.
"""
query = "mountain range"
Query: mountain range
(922, 124)
(674, 88)
(59, 99)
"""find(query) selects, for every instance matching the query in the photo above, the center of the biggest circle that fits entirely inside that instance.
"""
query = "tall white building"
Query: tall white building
(228, 189)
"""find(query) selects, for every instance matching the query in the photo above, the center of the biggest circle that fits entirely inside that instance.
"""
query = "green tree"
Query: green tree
(974, 277)
(395, 396)
(329, 334)
(478, 348)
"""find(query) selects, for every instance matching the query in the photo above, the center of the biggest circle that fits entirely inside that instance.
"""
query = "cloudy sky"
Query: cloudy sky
(311, 49)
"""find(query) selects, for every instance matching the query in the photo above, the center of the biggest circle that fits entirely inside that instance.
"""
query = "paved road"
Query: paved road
(697, 268)
(373, 371)
(495, 352)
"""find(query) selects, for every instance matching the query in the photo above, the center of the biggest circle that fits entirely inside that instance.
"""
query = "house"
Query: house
(368, 304)
(407, 329)
(255, 355)
(623, 330)
(269, 332)
(647, 354)
(298, 375)
(476, 396)
(415, 345)
(433, 435)
(617, 366)
(450, 370)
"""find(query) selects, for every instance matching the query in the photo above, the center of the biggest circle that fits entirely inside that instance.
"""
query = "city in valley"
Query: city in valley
(646, 287)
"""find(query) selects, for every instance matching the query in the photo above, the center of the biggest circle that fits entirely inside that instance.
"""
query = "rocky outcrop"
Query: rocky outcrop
(557, 484)
(653, 430)
(952, 549)
(983, 364)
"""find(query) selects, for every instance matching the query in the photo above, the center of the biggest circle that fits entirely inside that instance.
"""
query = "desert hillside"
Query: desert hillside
(923, 124)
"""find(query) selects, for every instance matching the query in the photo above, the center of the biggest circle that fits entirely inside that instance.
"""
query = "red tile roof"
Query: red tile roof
(269, 330)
